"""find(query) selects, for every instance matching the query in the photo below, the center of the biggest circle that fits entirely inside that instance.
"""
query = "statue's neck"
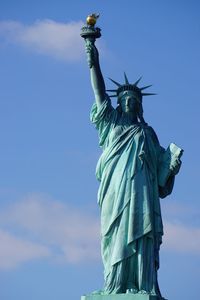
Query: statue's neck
(131, 117)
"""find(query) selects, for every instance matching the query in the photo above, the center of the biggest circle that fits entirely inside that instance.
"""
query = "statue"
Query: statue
(134, 171)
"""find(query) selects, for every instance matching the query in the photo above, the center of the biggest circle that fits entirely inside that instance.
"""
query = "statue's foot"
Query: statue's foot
(143, 292)
(132, 291)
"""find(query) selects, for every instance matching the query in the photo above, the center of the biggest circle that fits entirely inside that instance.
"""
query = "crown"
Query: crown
(130, 87)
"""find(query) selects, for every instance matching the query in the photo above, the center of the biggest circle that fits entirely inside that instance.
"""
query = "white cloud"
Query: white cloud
(39, 227)
(71, 235)
(14, 251)
(174, 210)
(58, 40)
(181, 227)
(181, 238)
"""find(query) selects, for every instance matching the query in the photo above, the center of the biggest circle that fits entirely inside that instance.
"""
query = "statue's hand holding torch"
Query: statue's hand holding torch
(92, 53)
(90, 33)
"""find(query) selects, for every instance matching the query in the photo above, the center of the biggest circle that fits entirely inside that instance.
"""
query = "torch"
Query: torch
(90, 32)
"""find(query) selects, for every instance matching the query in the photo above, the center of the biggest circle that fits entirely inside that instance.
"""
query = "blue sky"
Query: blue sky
(49, 219)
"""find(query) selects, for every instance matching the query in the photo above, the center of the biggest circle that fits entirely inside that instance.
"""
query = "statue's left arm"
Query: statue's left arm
(168, 167)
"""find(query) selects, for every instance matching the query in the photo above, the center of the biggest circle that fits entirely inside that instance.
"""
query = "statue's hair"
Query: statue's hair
(140, 113)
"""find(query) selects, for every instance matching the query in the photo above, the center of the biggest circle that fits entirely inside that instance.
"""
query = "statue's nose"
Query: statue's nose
(128, 100)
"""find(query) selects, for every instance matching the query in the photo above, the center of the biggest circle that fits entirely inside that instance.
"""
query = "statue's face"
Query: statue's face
(128, 101)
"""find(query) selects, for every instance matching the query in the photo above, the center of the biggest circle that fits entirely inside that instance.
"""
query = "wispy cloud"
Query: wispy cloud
(14, 251)
(58, 40)
(70, 235)
(182, 227)
(181, 238)
(39, 227)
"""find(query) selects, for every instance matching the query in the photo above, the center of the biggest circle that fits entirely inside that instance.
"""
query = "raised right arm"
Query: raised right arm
(97, 80)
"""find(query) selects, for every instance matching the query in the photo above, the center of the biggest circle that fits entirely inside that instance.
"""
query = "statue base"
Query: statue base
(121, 297)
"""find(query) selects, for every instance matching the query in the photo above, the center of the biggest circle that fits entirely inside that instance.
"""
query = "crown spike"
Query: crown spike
(126, 79)
(112, 96)
(115, 82)
(145, 87)
(148, 94)
(113, 91)
(136, 83)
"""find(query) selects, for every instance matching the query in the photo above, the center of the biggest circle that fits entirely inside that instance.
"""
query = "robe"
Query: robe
(128, 196)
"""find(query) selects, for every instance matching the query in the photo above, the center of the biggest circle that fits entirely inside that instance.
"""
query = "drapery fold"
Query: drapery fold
(128, 195)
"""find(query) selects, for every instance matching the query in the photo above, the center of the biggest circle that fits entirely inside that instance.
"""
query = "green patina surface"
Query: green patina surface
(134, 172)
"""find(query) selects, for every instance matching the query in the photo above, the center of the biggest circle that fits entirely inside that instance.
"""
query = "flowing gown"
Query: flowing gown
(128, 196)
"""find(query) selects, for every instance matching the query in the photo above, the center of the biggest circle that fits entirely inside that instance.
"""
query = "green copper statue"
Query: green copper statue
(134, 171)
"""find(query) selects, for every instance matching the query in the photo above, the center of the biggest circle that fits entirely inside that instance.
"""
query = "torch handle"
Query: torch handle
(90, 46)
